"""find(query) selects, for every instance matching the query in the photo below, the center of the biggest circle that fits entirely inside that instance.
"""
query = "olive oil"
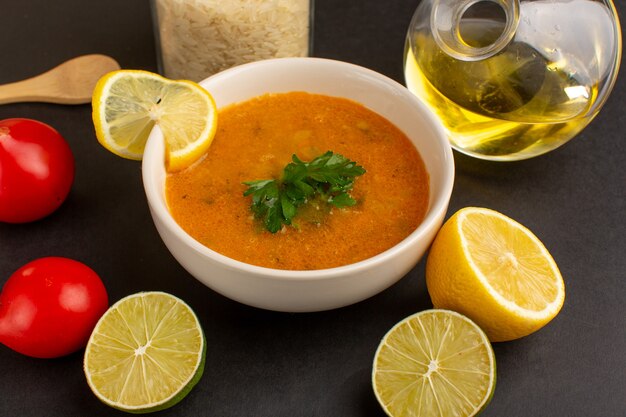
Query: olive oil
(514, 105)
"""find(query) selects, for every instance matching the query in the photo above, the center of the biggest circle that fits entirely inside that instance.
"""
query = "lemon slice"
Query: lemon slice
(434, 363)
(146, 353)
(495, 271)
(128, 103)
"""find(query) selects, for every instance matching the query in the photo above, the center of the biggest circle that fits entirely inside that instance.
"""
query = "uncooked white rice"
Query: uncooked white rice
(201, 37)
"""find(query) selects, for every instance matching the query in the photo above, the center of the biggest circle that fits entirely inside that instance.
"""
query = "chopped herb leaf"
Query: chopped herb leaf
(328, 177)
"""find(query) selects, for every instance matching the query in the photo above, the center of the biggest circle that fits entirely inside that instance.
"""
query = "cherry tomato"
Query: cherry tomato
(49, 307)
(36, 170)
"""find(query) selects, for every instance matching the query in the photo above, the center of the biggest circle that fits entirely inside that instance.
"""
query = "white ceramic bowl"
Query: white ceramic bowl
(299, 291)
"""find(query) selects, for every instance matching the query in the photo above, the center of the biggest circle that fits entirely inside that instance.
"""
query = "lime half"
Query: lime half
(146, 353)
(434, 363)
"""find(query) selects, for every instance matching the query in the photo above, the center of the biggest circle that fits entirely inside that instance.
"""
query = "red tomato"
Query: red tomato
(49, 307)
(36, 170)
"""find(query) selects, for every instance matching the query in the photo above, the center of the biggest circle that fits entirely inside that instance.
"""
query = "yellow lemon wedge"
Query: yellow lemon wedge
(127, 104)
(432, 364)
(146, 353)
(495, 271)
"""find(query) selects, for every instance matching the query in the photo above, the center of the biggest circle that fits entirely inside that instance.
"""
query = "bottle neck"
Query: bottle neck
(448, 16)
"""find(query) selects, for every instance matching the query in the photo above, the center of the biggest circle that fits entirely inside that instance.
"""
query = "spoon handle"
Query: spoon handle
(72, 82)
(21, 91)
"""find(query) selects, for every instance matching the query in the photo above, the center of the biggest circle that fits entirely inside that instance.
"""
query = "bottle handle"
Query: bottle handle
(445, 21)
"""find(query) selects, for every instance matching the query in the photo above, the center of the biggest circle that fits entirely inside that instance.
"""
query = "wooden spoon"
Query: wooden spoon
(72, 82)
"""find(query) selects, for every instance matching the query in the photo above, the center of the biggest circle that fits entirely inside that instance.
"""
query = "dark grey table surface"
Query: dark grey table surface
(262, 363)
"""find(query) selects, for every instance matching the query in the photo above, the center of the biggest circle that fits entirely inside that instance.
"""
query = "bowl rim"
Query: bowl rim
(437, 207)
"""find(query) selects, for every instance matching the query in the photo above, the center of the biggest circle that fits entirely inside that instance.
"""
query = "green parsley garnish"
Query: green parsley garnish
(328, 177)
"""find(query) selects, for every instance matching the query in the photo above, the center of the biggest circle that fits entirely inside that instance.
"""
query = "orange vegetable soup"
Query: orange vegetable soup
(257, 138)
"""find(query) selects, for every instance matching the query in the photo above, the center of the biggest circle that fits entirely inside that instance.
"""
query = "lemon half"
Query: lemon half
(492, 269)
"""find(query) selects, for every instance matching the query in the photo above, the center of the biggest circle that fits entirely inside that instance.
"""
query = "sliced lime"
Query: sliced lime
(146, 353)
(434, 363)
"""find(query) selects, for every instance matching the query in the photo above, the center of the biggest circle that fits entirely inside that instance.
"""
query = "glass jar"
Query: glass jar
(513, 79)
(198, 38)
